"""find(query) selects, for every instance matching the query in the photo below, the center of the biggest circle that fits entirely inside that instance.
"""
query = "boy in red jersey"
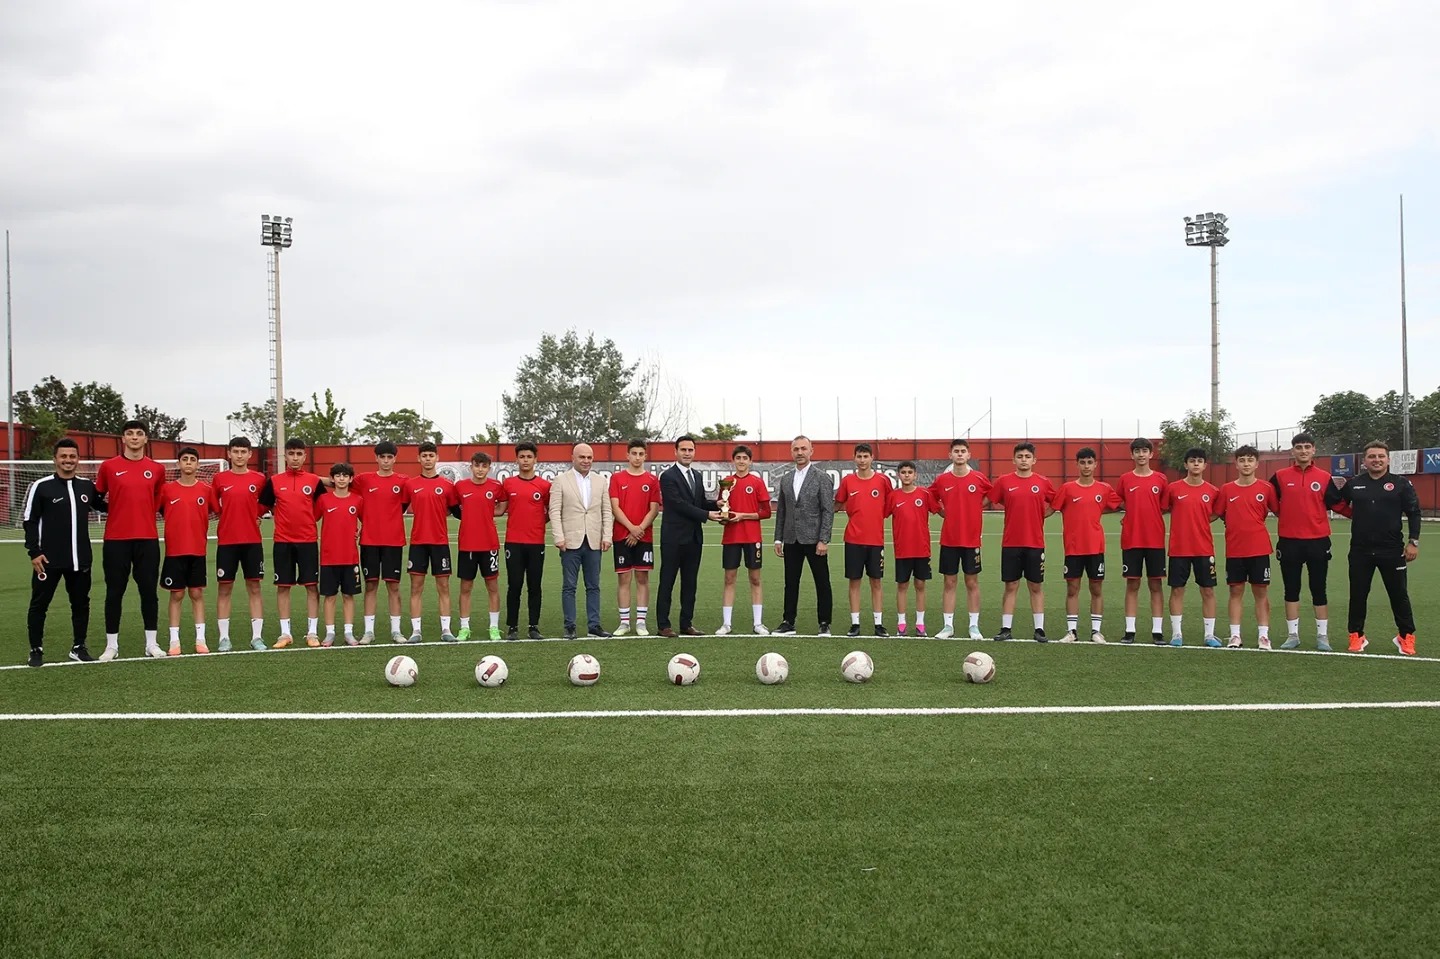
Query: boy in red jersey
(740, 541)
(481, 499)
(864, 496)
(186, 504)
(527, 495)
(1142, 538)
(1025, 496)
(290, 497)
(382, 537)
(1191, 505)
(910, 509)
(341, 511)
(635, 502)
(130, 483)
(1244, 503)
(960, 491)
(1303, 544)
(1081, 503)
(430, 497)
(237, 498)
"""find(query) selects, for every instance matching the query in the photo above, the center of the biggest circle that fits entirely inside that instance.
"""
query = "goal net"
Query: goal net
(17, 475)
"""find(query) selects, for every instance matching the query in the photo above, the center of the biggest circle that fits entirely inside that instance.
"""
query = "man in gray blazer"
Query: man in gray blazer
(804, 516)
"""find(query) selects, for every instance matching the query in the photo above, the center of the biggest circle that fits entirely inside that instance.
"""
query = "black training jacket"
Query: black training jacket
(57, 521)
(1379, 505)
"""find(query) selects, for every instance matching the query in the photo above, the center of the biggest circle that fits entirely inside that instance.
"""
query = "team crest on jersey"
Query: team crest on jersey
(1204, 497)
(1099, 498)
(874, 494)
(306, 490)
(439, 491)
(1259, 497)
(394, 489)
(1155, 490)
(1389, 487)
(489, 494)
(535, 496)
(200, 501)
(1035, 489)
(972, 488)
(149, 475)
(84, 497)
(919, 501)
(1315, 487)
(749, 489)
(644, 487)
(352, 510)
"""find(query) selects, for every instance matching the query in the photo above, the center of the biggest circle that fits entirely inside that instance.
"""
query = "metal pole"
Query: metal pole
(1214, 336)
(9, 371)
(279, 370)
(1404, 340)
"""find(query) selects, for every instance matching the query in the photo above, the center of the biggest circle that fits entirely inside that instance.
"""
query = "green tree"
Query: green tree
(1343, 422)
(162, 426)
(402, 426)
(1425, 421)
(486, 437)
(258, 422)
(91, 407)
(321, 425)
(722, 431)
(47, 430)
(1216, 437)
(572, 390)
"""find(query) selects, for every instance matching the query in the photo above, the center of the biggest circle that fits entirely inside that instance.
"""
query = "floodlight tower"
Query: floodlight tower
(1209, 229)
(275, 233)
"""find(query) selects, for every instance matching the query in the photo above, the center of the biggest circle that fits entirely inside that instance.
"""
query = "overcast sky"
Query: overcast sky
(922, 206)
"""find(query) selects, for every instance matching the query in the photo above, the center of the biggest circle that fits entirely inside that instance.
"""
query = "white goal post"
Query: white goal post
(17, 475)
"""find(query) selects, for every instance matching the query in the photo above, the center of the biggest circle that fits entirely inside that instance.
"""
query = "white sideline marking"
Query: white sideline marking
(881, 711)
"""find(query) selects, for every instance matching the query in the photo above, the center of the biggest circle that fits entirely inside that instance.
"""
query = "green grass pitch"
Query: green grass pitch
(1250, 832)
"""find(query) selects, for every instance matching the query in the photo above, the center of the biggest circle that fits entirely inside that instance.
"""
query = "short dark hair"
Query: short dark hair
(526, 448)
(188, 451)
(1085, 453)
(864, 448)
(1026, 447)
(1377, 445)
(1195, 453)
(386, 448)
(140, 425)
(481, 458)
(742, 448)
(240, 443)
(905, 465)
(682, 439)
(294, 443)
(66, 443)
(342, 469)
(427, 447)
(959, 441)
(636, 443)
(1247, 450)
(1141, 443)
(1302, 437)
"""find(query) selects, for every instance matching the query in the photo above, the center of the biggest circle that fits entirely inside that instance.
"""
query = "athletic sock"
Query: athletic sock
(1039, 620)
(640, 612)
(1157, 623)
(257, 627)
(624, 615)
(1292, 626)
(1322, 628)
(1007, 620)
(725, 613)
(919, 617)
(415, 624)
(150, 638)
(284, 627)
(1234, 630)
(854, 619)
(1072, 623)
(758, 611)
(112, 640)
(369, 624)
(900, 619)
(394, 624)
(1209, 626)
(1264, 631)
(313, 623)
(1175, 625)
(223, 628)
(349, 630)
(974, 620)
(495, 619)
(464, 622)
(1129, 624)
(1095, 622)
(444, 624)
(200, 633)
(949, 619)
(329, 630)
(174, 635)
(879, 617)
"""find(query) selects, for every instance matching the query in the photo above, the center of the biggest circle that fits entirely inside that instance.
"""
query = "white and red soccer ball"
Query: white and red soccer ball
(584, 670)
(979, 668)
(857, 667)
(683, 670)
(491, 672)
(401, 671)
(772, 669)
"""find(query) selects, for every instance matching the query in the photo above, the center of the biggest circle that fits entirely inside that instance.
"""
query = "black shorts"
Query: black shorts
(959, 559)
(916, 566)
(733, 554)
(1297, 556)
(296, 564)
(179, 573)
(482, 563)
(1202, 566)
(1143, 563)
(1091, 565)
(232, 558)
(122, 557)
(429, 558)
(381, 562)
(1248, 569)
(637, 558)
(864, 561)
(1018, 561)
(339, 579)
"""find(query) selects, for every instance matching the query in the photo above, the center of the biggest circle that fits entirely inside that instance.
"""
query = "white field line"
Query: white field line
(726, 713)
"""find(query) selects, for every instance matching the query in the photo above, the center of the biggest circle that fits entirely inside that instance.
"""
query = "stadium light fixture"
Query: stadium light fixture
(1212, 230)
(276, 234)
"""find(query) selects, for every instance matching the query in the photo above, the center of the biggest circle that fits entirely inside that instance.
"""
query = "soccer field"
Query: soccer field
(915, 815)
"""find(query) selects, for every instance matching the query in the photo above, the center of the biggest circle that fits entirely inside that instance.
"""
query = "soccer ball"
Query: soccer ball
(401, 671)
(584, 670)
(979, 668)
(491, 671)
(857, 667)
(683, 670)
(772, 669)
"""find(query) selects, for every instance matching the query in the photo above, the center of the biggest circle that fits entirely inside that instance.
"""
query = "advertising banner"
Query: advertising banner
(712, 472)
(1432, 461)
(1404, 462)
(1342, 465)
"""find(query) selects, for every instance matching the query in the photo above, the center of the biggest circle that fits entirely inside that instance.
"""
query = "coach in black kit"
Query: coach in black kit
(57, 537)
(1378, 500)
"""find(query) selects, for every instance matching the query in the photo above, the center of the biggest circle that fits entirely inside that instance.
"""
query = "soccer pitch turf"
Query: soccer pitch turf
(1261, 830)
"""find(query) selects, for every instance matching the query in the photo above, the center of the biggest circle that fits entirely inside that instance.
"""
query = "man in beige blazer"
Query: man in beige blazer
(581, 521)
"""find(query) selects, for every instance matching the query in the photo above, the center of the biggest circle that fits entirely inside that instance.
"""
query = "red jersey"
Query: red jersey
(1082, 506)
(477, 515)
(237, 499)
(910, 522)
(1300, 495)
(962, 498)
(384, 512)
(1190, 509)
(748, 495)
(430, 499)
(528, 509)
(187, 512)
(130, 488)
(340, 518)
(1143, 526)
(1024, 499)
(633, 495)
(866, 502)
(291, 498)
(1245, 509)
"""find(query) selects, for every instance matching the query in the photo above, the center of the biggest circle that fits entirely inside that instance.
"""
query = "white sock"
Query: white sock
(414, 624)
(495, 619)
(174, 635)
(444, 624)
(329, 630)
(464, 622)
(919, 617)
(725, 614)
(200, 633)
(854, 619)
(974, 621)
(949, 619)
(150, 638)
(349, 630)
(1209, 626)
(1234, 630)
(1157, 623)
(1039, 620)
(1322, 628)
(1175, 624)
(1072, 623)
(625, 615)
(879, 617)
(900, 619)
(257, 627)
(313, 623)
(758, 611)
(1292, 626)
(284, 627)
(1095, 622)
(1265, 631)
(112, 640)
(640, 612)
(1129, 624)
(1007, 620)
(223, 626)
(369, 624)
(394, 624)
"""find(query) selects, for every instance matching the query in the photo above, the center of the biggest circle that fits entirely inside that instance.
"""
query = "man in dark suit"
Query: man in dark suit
(682, 537)
(804, 517)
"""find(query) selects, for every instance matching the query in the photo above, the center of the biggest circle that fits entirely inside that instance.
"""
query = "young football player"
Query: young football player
(960, 491)
(1244, 503)
(1081, 503)
(635, 502)
(749, 503)
(910, 509)
(481, 500)
(1142, 538)
(1025, 496)
(186, 505)
(864, 497)
(1191, 505)
(430, 498)
(341, 511)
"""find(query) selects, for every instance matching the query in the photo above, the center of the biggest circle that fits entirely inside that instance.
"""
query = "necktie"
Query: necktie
(694, 485)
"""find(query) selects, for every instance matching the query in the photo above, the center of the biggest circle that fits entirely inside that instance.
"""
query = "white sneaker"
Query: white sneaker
(640, 629)
(1235, 643)
(1264, 642)
(1069, 636)
(622, 630)
(975, 634)
(946, 632)
(397, 637)
(155, 652)
(723, 631)
(368, 638)
(761, 629)
(1097, 637)
(111, 652)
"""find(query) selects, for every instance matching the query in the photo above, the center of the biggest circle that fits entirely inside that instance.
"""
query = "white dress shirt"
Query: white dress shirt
(582, 480)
